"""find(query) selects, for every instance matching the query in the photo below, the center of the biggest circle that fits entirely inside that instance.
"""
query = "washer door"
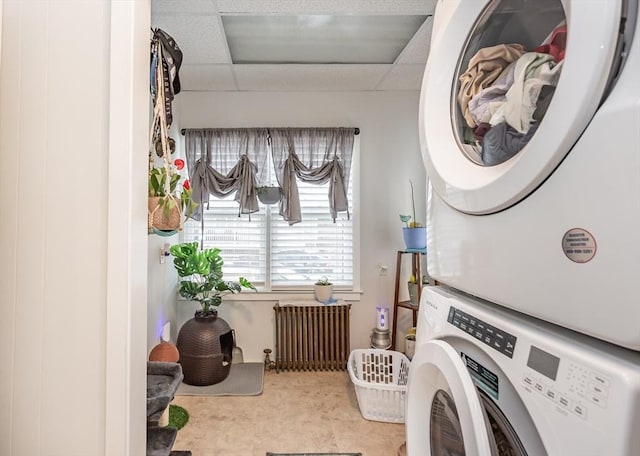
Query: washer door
(455, 168)
(444, 410)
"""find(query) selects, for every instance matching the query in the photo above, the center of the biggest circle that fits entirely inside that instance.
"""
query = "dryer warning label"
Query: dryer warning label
(483, 378)
(579, 245)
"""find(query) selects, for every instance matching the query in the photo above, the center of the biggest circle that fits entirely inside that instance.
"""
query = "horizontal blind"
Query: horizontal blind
(242, 242)
(263, 243)
(314, 248)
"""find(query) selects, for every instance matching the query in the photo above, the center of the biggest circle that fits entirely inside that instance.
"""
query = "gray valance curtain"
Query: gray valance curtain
(209, 152)
(314, 155)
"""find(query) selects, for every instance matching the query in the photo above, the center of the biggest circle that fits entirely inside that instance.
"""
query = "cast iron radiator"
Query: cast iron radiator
(312, 337)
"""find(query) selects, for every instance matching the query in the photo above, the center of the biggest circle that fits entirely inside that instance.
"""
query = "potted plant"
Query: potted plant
(323, 290)
(269, 194)
(169, 202)
(415, 235)
(205, 342)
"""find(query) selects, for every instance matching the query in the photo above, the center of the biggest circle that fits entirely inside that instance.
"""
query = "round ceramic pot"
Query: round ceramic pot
(415, 238)
(269, 195)
(322, 292)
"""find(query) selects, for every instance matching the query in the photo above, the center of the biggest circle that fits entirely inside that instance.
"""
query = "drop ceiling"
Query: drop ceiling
(198, 28)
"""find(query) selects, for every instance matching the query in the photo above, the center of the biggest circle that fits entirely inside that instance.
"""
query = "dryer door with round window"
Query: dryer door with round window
(509, 87)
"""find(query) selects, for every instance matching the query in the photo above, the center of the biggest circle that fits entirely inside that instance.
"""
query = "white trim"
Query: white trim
(351, 296)
(125, 341)
(1, 4)
(355, 212)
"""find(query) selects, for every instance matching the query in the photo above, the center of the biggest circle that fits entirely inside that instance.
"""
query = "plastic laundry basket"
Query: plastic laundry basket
(380, 379)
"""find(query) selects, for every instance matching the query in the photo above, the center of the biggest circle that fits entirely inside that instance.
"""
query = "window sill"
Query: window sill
(283, 295)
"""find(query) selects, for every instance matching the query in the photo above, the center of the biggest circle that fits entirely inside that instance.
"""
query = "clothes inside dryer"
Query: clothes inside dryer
(506, 77)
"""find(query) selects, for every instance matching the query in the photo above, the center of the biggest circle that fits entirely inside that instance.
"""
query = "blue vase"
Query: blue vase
(415, 238)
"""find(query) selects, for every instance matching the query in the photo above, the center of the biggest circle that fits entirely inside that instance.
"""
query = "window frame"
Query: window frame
(305, 292)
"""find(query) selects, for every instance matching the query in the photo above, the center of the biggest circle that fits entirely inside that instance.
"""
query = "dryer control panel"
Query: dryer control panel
(494, 337)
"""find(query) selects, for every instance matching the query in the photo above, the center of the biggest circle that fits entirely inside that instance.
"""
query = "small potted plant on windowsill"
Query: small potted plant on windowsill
(322, 290)
(415, 235)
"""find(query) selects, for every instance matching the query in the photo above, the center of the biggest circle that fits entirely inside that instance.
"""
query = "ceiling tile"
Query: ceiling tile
(327, 6)
(199, 37)
(191, 6)
(207, 78)
(196, 26)
(323, 38)
(308, 78)
(402, 77)
(417, 50)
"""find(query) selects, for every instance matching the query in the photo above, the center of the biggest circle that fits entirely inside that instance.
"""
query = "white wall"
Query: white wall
(389, 157)
(72, 203)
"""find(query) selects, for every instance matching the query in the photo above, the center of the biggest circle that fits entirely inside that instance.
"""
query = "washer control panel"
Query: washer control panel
(495, 338)
(577, 389)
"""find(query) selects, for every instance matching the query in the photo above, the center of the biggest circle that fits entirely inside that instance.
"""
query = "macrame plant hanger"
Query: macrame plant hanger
(159, 127)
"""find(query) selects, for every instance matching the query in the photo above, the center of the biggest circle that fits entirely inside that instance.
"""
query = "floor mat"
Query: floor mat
(314, 454)
(245, 379)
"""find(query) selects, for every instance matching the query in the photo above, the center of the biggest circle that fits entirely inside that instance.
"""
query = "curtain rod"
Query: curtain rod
(356, 131)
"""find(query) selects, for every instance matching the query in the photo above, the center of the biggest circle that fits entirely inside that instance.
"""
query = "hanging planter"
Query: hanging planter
(169, 197)
(164, 214)
(269, 194)
(167, 206)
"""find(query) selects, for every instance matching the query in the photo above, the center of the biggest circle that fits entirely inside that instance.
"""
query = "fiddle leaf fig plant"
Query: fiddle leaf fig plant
(201, 277)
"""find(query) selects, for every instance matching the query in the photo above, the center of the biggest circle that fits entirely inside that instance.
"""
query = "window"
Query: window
(274, 255)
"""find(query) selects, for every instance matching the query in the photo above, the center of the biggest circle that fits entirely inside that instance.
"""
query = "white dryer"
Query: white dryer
(550, 230)
(487, 381)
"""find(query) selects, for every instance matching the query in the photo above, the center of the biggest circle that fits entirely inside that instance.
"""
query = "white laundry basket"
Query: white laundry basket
(380, 378)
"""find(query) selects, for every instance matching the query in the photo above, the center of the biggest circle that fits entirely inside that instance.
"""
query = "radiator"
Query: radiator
(312, 337)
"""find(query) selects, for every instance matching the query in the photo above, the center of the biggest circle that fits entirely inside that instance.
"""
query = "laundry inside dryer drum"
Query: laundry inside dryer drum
(506, 77)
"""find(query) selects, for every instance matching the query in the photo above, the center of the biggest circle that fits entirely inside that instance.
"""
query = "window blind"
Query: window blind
(270, 253)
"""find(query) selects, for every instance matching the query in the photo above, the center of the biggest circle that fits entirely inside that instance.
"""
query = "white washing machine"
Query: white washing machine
(487, 381)
(542, 219)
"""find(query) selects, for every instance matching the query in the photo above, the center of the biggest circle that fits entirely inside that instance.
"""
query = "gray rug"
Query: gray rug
(245, 379)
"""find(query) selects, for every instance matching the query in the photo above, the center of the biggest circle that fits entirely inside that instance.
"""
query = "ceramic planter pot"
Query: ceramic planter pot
(410, 345)
(269, 195)
(322, 292)
(415, 238)
(413, 293)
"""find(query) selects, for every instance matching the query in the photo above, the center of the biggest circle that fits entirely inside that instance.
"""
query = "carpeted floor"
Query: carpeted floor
(298, 412)
(245, 379)
(314, 454)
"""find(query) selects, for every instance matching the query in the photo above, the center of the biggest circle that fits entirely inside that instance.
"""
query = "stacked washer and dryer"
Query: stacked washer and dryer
(530, 130)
